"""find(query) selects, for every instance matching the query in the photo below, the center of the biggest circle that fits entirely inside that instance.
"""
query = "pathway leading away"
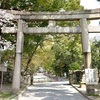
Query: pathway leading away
(51, 91)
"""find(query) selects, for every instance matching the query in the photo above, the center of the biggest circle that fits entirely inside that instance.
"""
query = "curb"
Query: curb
(81, 93)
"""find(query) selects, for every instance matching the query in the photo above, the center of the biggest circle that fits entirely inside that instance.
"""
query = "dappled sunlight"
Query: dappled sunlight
(51, 91)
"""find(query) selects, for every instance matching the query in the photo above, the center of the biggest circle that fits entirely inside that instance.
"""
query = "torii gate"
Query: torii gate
(21, 17)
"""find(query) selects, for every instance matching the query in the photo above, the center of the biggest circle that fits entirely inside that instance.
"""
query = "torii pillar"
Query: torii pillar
(86, 51)
(18, 58)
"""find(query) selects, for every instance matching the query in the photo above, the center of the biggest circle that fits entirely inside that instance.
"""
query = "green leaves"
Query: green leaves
(96, 54)
(66, 50)
(75, 66)
(73, 5)
(31, 44)
(68, 53)
(41, 5)
(8, 55)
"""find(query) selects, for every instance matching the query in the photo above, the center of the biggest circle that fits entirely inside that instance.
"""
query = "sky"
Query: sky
(92, 4)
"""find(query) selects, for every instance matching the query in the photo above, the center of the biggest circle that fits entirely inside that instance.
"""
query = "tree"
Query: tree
(45, 55)
(96, 56)
(32, 43)
(67, 54)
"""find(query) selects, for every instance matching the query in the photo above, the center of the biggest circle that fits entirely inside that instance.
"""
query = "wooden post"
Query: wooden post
(86, 51)
(18, 58)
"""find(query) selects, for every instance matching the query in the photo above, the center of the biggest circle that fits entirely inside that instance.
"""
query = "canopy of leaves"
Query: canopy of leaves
(40, 5)
(66, 48)
(67, 53)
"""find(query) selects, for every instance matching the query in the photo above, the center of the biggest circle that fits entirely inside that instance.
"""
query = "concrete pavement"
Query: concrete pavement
(53, 88)
(82, 90)
(51, 91)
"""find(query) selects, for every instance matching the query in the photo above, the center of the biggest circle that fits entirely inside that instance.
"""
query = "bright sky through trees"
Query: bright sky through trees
(92, 4)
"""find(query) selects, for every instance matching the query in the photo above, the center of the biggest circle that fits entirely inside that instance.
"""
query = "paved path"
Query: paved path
(51, 91)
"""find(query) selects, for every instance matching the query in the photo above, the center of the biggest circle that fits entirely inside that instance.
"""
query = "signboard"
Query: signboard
(91, 76)
(3, 67)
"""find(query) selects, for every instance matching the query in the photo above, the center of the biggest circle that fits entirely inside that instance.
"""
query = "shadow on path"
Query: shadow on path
(52, 91)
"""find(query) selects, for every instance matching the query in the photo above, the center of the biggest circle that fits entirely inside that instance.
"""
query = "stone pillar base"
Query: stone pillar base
(82, 85)
(15, 91)
(90, 89)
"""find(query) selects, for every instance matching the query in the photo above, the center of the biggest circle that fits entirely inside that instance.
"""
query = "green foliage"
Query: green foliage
(43, 56)
(32, 42)
(96, 54)
(73, 5)
(5, 95)
(74, 66)
(38, 5)
(41, 5)
(9, 37)
(66, 50)
(8, 55)
(68, 56)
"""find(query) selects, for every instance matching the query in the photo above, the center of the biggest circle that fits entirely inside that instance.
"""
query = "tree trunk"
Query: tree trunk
(31, 79)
